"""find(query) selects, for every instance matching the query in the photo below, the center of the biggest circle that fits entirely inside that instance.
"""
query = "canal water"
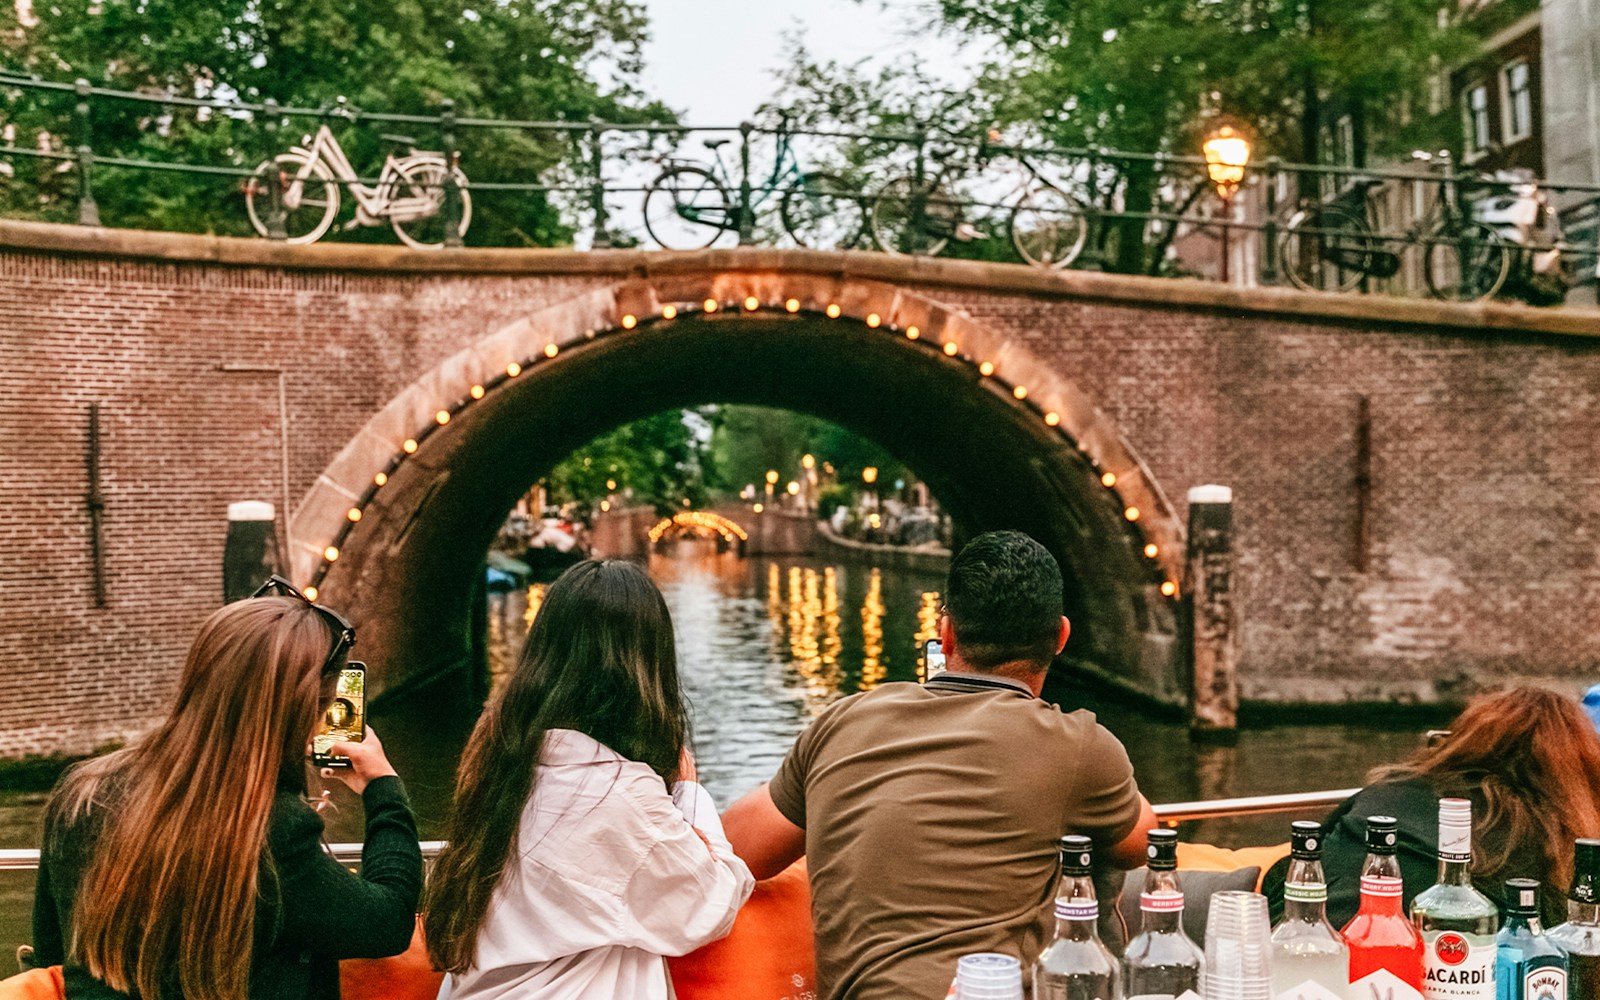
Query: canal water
(764, 644)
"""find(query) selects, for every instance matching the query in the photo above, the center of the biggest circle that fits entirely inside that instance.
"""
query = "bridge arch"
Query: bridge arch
(398, 521)
(704, 522)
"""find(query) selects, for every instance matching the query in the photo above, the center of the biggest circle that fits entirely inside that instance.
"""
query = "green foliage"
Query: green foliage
(660, 460)
(748, 441)
(525, 59)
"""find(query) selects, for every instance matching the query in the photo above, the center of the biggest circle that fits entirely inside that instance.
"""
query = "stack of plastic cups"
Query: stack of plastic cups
(988, 975)
(1238, 948)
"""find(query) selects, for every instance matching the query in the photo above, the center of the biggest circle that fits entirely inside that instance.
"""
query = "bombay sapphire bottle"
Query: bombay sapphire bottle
(1528, 965)
(1076, 965)
(1309, 958)
(1161, 961)
(1579, 937)
(1457, 922)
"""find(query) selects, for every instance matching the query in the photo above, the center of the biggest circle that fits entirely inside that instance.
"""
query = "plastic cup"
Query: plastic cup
(988, 976)
(1238, 947)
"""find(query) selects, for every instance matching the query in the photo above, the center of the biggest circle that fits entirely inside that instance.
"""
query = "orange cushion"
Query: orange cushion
(406, 976)
(36, 984)
(1210, 858)
(769, 953)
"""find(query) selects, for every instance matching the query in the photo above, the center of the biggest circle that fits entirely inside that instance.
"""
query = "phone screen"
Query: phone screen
(345, 719)
(932, 659)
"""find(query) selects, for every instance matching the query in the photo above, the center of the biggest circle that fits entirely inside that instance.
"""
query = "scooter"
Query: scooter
(1521, 213)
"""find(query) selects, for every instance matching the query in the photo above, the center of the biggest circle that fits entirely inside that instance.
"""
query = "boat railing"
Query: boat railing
(1170, 813)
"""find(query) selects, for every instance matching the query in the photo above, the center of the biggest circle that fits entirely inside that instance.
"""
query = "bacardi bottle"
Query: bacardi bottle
(1161, 962)
(1385, 948)
(1579, 937)
(1076, 965)
(1528, 965)
(1309, 958)
(1457, 922)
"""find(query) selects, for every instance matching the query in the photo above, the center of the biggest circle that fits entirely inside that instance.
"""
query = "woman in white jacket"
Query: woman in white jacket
(581, 849)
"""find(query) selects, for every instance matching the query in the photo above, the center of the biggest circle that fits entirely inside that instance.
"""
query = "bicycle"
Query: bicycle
(1047, 225)
(1334, 245)
(690, 204)
(408, 195)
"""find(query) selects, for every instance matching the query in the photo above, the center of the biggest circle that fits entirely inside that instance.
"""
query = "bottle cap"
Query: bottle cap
(1077, 855)
(1585, 872)
(1163, 850)
(1455, 830)
(1380, 834)
(1305, 839)
(1523, 896)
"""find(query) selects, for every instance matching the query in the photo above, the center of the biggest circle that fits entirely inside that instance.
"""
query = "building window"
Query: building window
(1475, 111)
(1517, 86)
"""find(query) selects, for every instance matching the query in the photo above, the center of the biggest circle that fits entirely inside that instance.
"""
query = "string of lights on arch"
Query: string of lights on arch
(671, 311)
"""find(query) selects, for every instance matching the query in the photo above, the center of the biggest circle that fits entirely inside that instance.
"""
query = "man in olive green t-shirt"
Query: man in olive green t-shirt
(929, 815)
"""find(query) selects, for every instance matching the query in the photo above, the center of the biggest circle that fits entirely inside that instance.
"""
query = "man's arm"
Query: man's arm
(765, 839)
(1129, 852)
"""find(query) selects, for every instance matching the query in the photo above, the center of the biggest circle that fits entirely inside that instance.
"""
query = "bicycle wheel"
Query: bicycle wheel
(1465, 262)
(1048, 227)
(685, 208)
(1326, 249)
(310, 203)
(910, 219)
(416, 203)
(822, 212)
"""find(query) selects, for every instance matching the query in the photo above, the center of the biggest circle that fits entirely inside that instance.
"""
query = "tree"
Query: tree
(749, 441)
(572, 60)
(659, 460)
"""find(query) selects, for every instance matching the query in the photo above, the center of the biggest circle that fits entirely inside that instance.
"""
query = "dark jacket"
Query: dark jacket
(1414, 804)
(313, 910)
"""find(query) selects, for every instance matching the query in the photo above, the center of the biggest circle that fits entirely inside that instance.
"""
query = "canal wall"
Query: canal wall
(929, 559)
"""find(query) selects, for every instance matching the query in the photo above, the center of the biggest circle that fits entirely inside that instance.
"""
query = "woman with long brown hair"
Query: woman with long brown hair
(1527, 759)
(190, 864)
(581, 849)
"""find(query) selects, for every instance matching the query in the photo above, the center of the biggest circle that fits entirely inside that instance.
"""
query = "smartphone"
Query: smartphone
(346, 718)
(932, 659)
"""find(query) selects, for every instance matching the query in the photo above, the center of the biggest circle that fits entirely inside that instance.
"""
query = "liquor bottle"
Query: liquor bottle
(1579, 937)
(1161, 961)
(1457, 922)
(1309, 958)
(1528, 965)
(1385, 948)
(1076, 965)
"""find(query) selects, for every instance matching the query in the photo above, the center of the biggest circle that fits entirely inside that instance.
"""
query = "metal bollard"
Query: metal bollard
(277, 215)
(451, 207)
(88, 211)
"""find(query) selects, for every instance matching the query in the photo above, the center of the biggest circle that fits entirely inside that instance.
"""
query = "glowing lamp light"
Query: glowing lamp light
(1052, 418)
(912, 333)
(869, 475)
(791, 305)
(1227, 153)
(751, 303)
(792, 488)
(331, 553)
(808, 461)
(1109, 479)
(380, 479)
(874, 320)
(605, 505)
(950, 348)
(409, 446)
(551, 350)
(310, 592)
(758, 508)
(874, 520)
(630, 321)
(1021, 392)
(476, 392)
(833, 310)
(1131, 513)
(986, 369)
(1169, 589)
(710, 305)
(513, 369)
(669, 312)
(772, 477)
(1152, 550)
(354, 514)
(442, 417)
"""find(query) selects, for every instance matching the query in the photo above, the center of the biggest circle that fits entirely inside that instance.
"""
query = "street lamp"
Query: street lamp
(1227, 153)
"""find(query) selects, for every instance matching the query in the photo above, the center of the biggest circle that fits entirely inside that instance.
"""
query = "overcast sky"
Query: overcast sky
(713, 60)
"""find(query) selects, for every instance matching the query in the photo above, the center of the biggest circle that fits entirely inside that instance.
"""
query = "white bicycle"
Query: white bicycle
(408, 195)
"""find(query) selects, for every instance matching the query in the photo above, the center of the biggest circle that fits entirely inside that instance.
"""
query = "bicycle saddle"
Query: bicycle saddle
(714, 143)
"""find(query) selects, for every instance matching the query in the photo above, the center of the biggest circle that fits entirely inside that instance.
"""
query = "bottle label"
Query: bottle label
(1381, 984)
(1161, 902)
(1309, 990)
(1380, 885)
(1547, 982)
(1077, 909)
(1306, 892)
(1457, 966)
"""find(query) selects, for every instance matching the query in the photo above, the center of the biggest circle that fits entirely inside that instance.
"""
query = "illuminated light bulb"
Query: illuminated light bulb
(986, 369)
(711, 305)
(792, 488)
(874, 320)
(1052, 418)
(513, 369)
(912, 333)
(669, 312)
(1131, 513)
(772, 476)
(443, 417)
(758, 508)
(791, 305)
(1152, 550)
(310, 592)
(808, 460)
(630, 321)
(605, 505)
(331, 553)
(611, 484)
(380, 479)
(833, 310)
(1021, 392)
(354, 514)
(551, 350)
(950, 348)
(751, 303)
(410, 446)
(476, 392)
(1169, 589)
(1109, 479)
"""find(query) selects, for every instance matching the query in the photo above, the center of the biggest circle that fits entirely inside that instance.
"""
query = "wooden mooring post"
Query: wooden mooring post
(1214, 711)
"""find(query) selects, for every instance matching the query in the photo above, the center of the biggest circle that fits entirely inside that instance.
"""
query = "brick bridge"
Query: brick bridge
(1417, 485)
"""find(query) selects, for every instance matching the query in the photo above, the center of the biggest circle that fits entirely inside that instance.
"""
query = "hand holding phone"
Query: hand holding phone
(345, 720)
(365, 762)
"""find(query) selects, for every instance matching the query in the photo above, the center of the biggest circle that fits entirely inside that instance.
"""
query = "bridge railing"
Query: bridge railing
(922, 190)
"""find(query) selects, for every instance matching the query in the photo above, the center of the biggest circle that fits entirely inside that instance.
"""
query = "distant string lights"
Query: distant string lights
(442, 416)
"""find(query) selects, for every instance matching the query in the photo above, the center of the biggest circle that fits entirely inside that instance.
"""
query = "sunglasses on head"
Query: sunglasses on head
(344, 634)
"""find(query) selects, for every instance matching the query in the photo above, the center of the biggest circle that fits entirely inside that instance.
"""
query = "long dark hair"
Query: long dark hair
(599, 659)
